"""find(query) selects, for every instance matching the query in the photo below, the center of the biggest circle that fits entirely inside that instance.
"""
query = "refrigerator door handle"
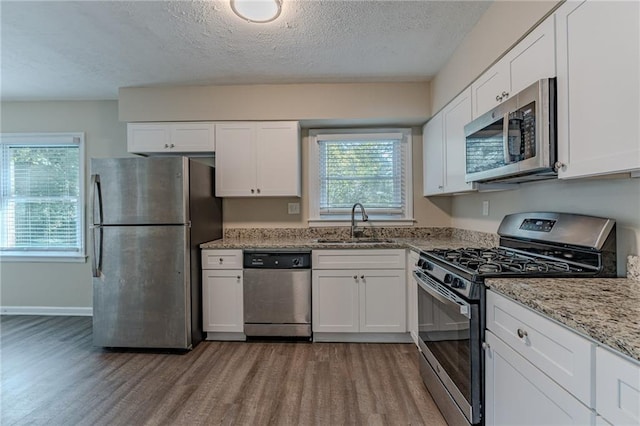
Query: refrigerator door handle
(96, 190)
(96, 264)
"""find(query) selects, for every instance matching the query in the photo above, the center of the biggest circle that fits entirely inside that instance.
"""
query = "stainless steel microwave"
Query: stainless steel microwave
(516, 141)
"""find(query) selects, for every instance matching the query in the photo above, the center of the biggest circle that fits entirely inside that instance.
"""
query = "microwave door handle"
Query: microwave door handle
(505, 138)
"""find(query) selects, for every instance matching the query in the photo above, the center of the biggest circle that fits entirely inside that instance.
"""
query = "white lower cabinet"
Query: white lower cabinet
(618, 388)
(539, 372)
(365, 300)
(335, 301)
(517, 393)
(222, 295)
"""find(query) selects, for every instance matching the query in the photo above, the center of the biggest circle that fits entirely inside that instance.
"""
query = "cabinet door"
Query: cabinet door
(382, 301)
(152, 137)
(222, 300)
(598, 87)
(433, 156)
(533, 58)
(551, 347)
(278, 159)
(235, 160)
(488, 89)
(518, 393)
(192, 137)
(618, 388)
(335, 301)
(455, 116)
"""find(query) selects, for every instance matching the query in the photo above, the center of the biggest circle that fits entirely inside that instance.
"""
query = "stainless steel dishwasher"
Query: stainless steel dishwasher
(277, 293)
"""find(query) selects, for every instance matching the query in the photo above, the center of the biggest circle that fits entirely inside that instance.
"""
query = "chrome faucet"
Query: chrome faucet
(353, 218)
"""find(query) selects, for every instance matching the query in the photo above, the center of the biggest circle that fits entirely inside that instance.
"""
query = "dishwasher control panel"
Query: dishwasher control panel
(277, 260)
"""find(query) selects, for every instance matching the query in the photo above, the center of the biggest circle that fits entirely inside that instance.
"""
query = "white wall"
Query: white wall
(616, 198)
(62, 285)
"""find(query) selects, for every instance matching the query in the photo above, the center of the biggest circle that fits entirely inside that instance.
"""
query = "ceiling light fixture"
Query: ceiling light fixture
(257, 11)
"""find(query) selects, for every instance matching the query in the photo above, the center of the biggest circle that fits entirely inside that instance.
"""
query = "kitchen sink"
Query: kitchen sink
(353, 241)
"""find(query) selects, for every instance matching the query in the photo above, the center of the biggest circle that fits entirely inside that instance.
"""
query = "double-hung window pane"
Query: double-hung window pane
(40, 195)
(365, 168)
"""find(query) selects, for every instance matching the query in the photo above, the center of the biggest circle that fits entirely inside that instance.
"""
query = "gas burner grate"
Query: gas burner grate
(501, 260)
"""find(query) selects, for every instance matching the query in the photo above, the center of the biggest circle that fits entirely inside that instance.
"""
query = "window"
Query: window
(369, 166)
(41, 196)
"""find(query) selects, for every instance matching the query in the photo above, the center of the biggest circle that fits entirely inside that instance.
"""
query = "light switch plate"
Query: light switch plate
(293, 208)
(485, 208)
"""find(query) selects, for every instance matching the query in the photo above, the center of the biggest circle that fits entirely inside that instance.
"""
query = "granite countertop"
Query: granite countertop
(298, 243)
(606, 310)
(304, 238)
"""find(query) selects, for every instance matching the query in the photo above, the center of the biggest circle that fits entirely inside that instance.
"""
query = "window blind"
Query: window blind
(40, 197)
(362, 168)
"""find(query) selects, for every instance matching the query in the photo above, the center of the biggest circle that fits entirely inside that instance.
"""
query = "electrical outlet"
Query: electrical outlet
(293, 208)
(485, 208)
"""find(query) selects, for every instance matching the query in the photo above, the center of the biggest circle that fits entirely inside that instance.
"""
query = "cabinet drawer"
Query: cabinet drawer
(221, 259)
(559, 352)
(618, 388)
(358, 259)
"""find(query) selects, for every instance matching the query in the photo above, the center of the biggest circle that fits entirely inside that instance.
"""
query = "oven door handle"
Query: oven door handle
(444, 298)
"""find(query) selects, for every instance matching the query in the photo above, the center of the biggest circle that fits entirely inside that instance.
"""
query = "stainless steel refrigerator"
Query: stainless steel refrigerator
(149, 216)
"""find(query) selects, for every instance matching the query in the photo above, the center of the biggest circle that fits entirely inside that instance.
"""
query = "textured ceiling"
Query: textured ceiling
(88, 49)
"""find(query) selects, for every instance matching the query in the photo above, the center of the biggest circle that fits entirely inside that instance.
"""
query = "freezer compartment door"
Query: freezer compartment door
(141, 298)
(140, 191)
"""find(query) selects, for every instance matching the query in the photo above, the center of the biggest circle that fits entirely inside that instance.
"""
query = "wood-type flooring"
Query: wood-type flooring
(53, 375)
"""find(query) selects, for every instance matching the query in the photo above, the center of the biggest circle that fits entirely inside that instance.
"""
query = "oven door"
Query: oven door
(449, 330)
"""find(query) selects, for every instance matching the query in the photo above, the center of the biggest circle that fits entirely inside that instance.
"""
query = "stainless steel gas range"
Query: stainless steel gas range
(451, 295)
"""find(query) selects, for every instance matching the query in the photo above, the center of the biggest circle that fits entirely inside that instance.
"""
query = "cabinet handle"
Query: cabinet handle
(238, 277)
(362, 277)
(258, 190)
(253, 191)
(166, 145)
(220, 260)
(355, 277)
(505, 94)
(486, 346)
(558, 165)
(171, 146)
(498, 98)
(440, 186)
(522, 333)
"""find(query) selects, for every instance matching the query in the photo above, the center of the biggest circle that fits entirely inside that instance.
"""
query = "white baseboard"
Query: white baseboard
(363, 337)
(46, 310)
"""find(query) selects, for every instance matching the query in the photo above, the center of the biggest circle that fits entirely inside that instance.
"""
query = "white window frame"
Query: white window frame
(75, 138)
(316, 219)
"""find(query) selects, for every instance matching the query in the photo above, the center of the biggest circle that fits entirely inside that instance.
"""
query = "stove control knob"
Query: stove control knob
(296, 262)
(428, 266)
(448, 278)
(421, 263)
(456, 283)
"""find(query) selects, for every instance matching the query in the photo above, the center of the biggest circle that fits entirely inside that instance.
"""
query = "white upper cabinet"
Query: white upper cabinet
(530, 60)
(598, 87)
(455, 116)
(171, 138)
(258, 159)
(433, 156)
(444, 148)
